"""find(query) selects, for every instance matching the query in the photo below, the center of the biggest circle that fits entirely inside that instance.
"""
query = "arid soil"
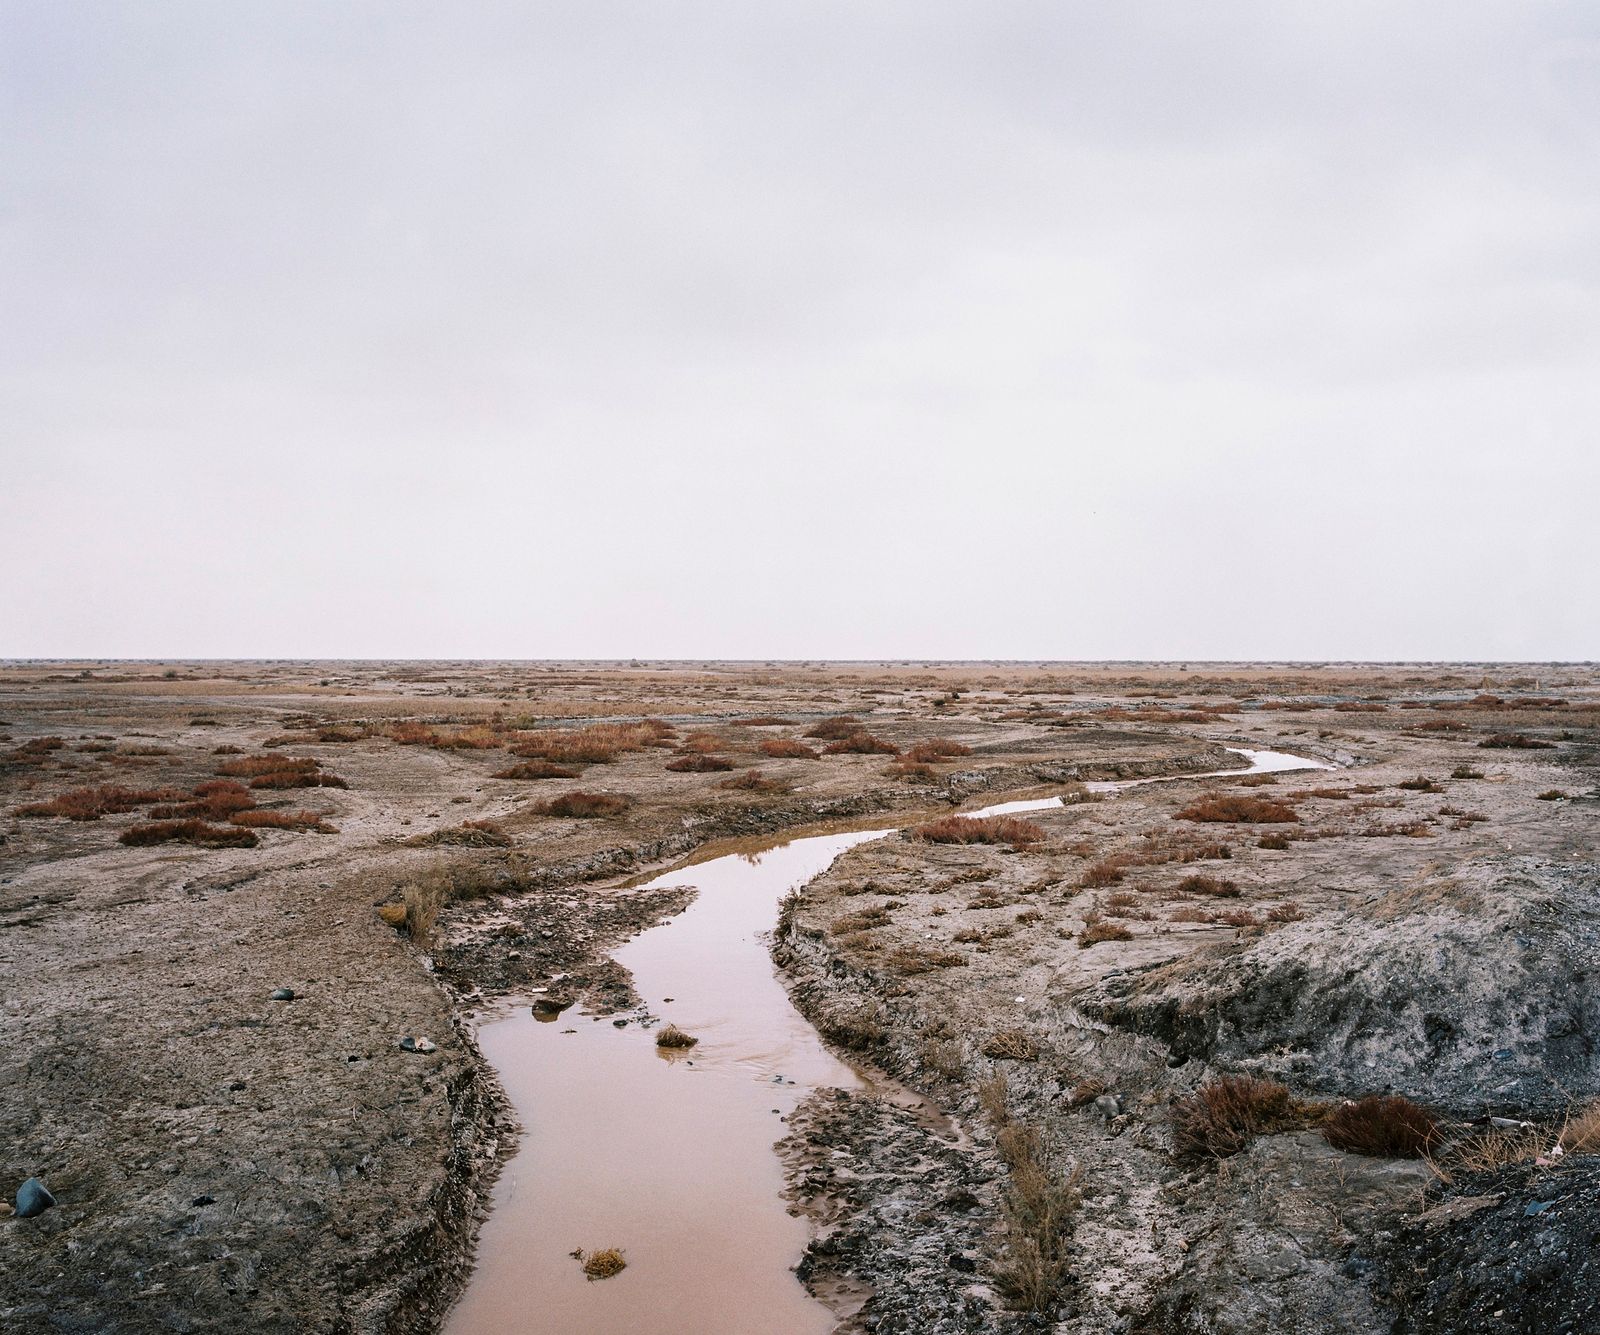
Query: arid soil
(225, 1161)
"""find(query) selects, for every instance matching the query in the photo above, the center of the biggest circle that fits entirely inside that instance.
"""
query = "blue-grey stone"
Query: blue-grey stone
(33, 1197)
(282, 994)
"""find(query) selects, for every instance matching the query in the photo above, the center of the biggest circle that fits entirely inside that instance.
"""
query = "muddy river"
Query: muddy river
(669, 1157)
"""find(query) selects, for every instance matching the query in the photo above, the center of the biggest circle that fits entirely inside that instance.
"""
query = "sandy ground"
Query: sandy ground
(224, 1161)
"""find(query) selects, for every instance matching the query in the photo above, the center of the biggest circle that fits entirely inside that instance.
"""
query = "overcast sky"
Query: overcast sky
(1056, 330)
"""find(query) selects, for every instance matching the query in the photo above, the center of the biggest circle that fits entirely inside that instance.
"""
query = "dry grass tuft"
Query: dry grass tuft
(979, 830)
(585, 806)
(1011, 1045)
(1581, 1134)
(1384, 1126)
(832, 729)
(1221, 1118)
(1214, 886)
(936, 749)
(1515, 741)
(673, 1037)
(1097, 929)
(787, 748)
(602, 1264)
(754, 781)
(1236, 808)
(537, 769)
(469, 834)
(1099, 875)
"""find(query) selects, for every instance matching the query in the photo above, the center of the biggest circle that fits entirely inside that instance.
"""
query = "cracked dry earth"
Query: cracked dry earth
(225, 1161)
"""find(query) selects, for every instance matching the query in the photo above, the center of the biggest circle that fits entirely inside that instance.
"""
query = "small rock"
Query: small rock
(282, 994)
(965, 1264)
(1532, 1208)
(619, 1024)
(204, 1200)
(7, 1209)
(1107, 1106)
(33, 1197)
(410, 1044)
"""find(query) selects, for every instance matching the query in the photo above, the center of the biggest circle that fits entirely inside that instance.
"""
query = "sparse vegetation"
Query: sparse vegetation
(670, 1036)
(753, 781)
(696, 763)
(861, 744)
(1097, 928)
(936, 749)
(1214, 886)
(1040, 1202)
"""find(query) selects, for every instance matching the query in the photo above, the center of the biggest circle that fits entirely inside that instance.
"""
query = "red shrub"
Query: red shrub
(1223, 1117)
(252, 766)
(188, 832)
(787, 748)
(537, 769)
(282, 820)
(103, 800)
(1236, 808)
(1385, 1126)
(586, 805)
(979, 830)
(832, 729)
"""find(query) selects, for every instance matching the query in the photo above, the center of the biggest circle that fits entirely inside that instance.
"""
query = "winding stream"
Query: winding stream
(670, 1158)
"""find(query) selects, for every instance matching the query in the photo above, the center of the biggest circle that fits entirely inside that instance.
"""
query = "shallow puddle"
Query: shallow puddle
(671, 1159)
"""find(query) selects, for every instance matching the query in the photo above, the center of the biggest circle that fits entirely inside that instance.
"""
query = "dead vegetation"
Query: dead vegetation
(1221, 1118)
(1012, 830)
(196, 832)
(787, 748)
(602, 1264)
(1383, 1126)
(670, 1036)
(1233, 808)
(1041, 1199)
(537, 769)
(469, 834)
(585, 806)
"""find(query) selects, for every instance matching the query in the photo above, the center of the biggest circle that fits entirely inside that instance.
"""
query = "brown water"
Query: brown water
(670, 1159)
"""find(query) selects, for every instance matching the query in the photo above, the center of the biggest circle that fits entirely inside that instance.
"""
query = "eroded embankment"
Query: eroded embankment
(1129, 959)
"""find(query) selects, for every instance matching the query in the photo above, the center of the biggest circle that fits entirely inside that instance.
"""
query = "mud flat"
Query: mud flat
(222, 1160)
